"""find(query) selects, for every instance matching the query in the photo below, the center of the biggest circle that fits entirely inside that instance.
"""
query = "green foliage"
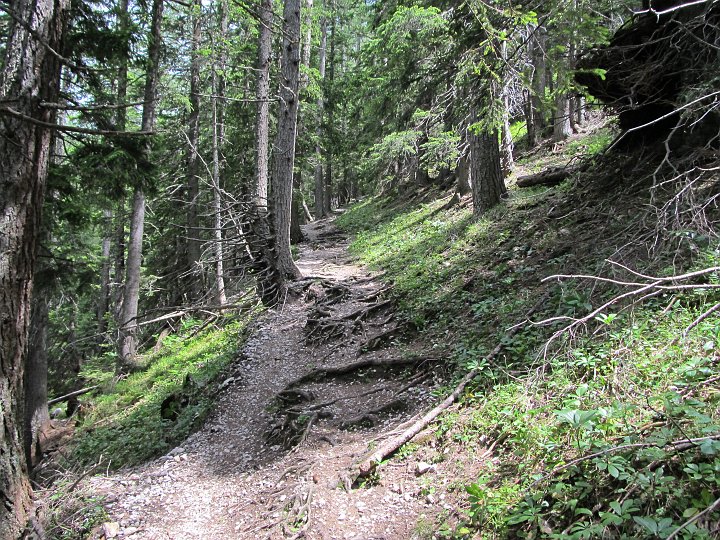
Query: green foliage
(72, 514)
(590, 437)
(124, 424)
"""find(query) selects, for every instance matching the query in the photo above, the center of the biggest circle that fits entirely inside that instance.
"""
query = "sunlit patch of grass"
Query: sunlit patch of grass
(123, 424)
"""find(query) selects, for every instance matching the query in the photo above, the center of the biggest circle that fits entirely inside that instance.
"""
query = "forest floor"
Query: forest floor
(316, 383)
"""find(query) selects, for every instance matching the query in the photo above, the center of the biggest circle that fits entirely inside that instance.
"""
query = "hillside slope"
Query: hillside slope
(599, 417)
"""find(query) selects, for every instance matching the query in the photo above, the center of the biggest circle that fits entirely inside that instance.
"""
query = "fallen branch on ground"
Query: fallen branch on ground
(679, 446)
(645, 287)
(549, 177)
(72, 395)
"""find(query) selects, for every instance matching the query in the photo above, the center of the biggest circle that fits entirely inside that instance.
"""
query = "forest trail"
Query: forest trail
(318, 380)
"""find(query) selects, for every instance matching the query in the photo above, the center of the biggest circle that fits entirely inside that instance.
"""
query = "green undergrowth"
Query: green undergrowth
(591, 433)
(123, 425)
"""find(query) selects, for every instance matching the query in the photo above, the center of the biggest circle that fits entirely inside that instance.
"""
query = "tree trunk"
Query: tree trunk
(564, 113)
(116, 289)
(131, 297)
(579, 111)
(538, 83)
(127, 346)
(218, 142)
(37, 417)
(284, 149)
(488, 186)
(217, 210)
(193, 162)
(30, 74)
(319, 183)
(296, 215)
(506, 151)
(327, 195)
(104, 298)
(562, 128)
(118, 285)
(260, 191)
(463, 176)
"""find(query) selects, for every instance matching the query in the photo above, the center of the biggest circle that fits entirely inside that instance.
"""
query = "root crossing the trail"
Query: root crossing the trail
(320, 378)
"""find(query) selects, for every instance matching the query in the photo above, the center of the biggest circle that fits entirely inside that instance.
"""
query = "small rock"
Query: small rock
(421, 468)
(227, 382)
(130, 531)
(176, 451)
(110, 529)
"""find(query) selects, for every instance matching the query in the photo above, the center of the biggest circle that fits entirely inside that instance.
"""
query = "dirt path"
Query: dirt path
(293, 417)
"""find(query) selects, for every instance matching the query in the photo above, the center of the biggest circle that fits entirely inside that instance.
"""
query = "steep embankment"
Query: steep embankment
(599, 416)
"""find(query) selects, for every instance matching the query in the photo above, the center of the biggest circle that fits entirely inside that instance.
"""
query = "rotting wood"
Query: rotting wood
(369, 463)
(549, 177)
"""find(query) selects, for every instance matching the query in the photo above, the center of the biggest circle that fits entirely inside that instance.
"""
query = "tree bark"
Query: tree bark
(330, 105)
(284, 150)
(117, 290)
(260, 191)
(488, 186)
(296, 215)
(104, 297)
(562, 128)
(37, 416)
(319, 179)
(463, 176)
(538, 84)
(131, 298)
(30, 74)
(127, 347)
(507, 147)
(193, 161)
(218, 143)
(217, 209)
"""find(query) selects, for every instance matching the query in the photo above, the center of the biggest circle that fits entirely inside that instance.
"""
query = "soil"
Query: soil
(294, 415)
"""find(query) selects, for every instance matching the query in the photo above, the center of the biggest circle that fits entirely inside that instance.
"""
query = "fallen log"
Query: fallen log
(367, 466)
(71, 395)
(549, 177)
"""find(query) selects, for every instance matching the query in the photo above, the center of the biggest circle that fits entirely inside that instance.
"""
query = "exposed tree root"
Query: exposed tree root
(297, 414)
(322, 325)
(370, 418)
(369, 463)
(333, 372)
(380, 340)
